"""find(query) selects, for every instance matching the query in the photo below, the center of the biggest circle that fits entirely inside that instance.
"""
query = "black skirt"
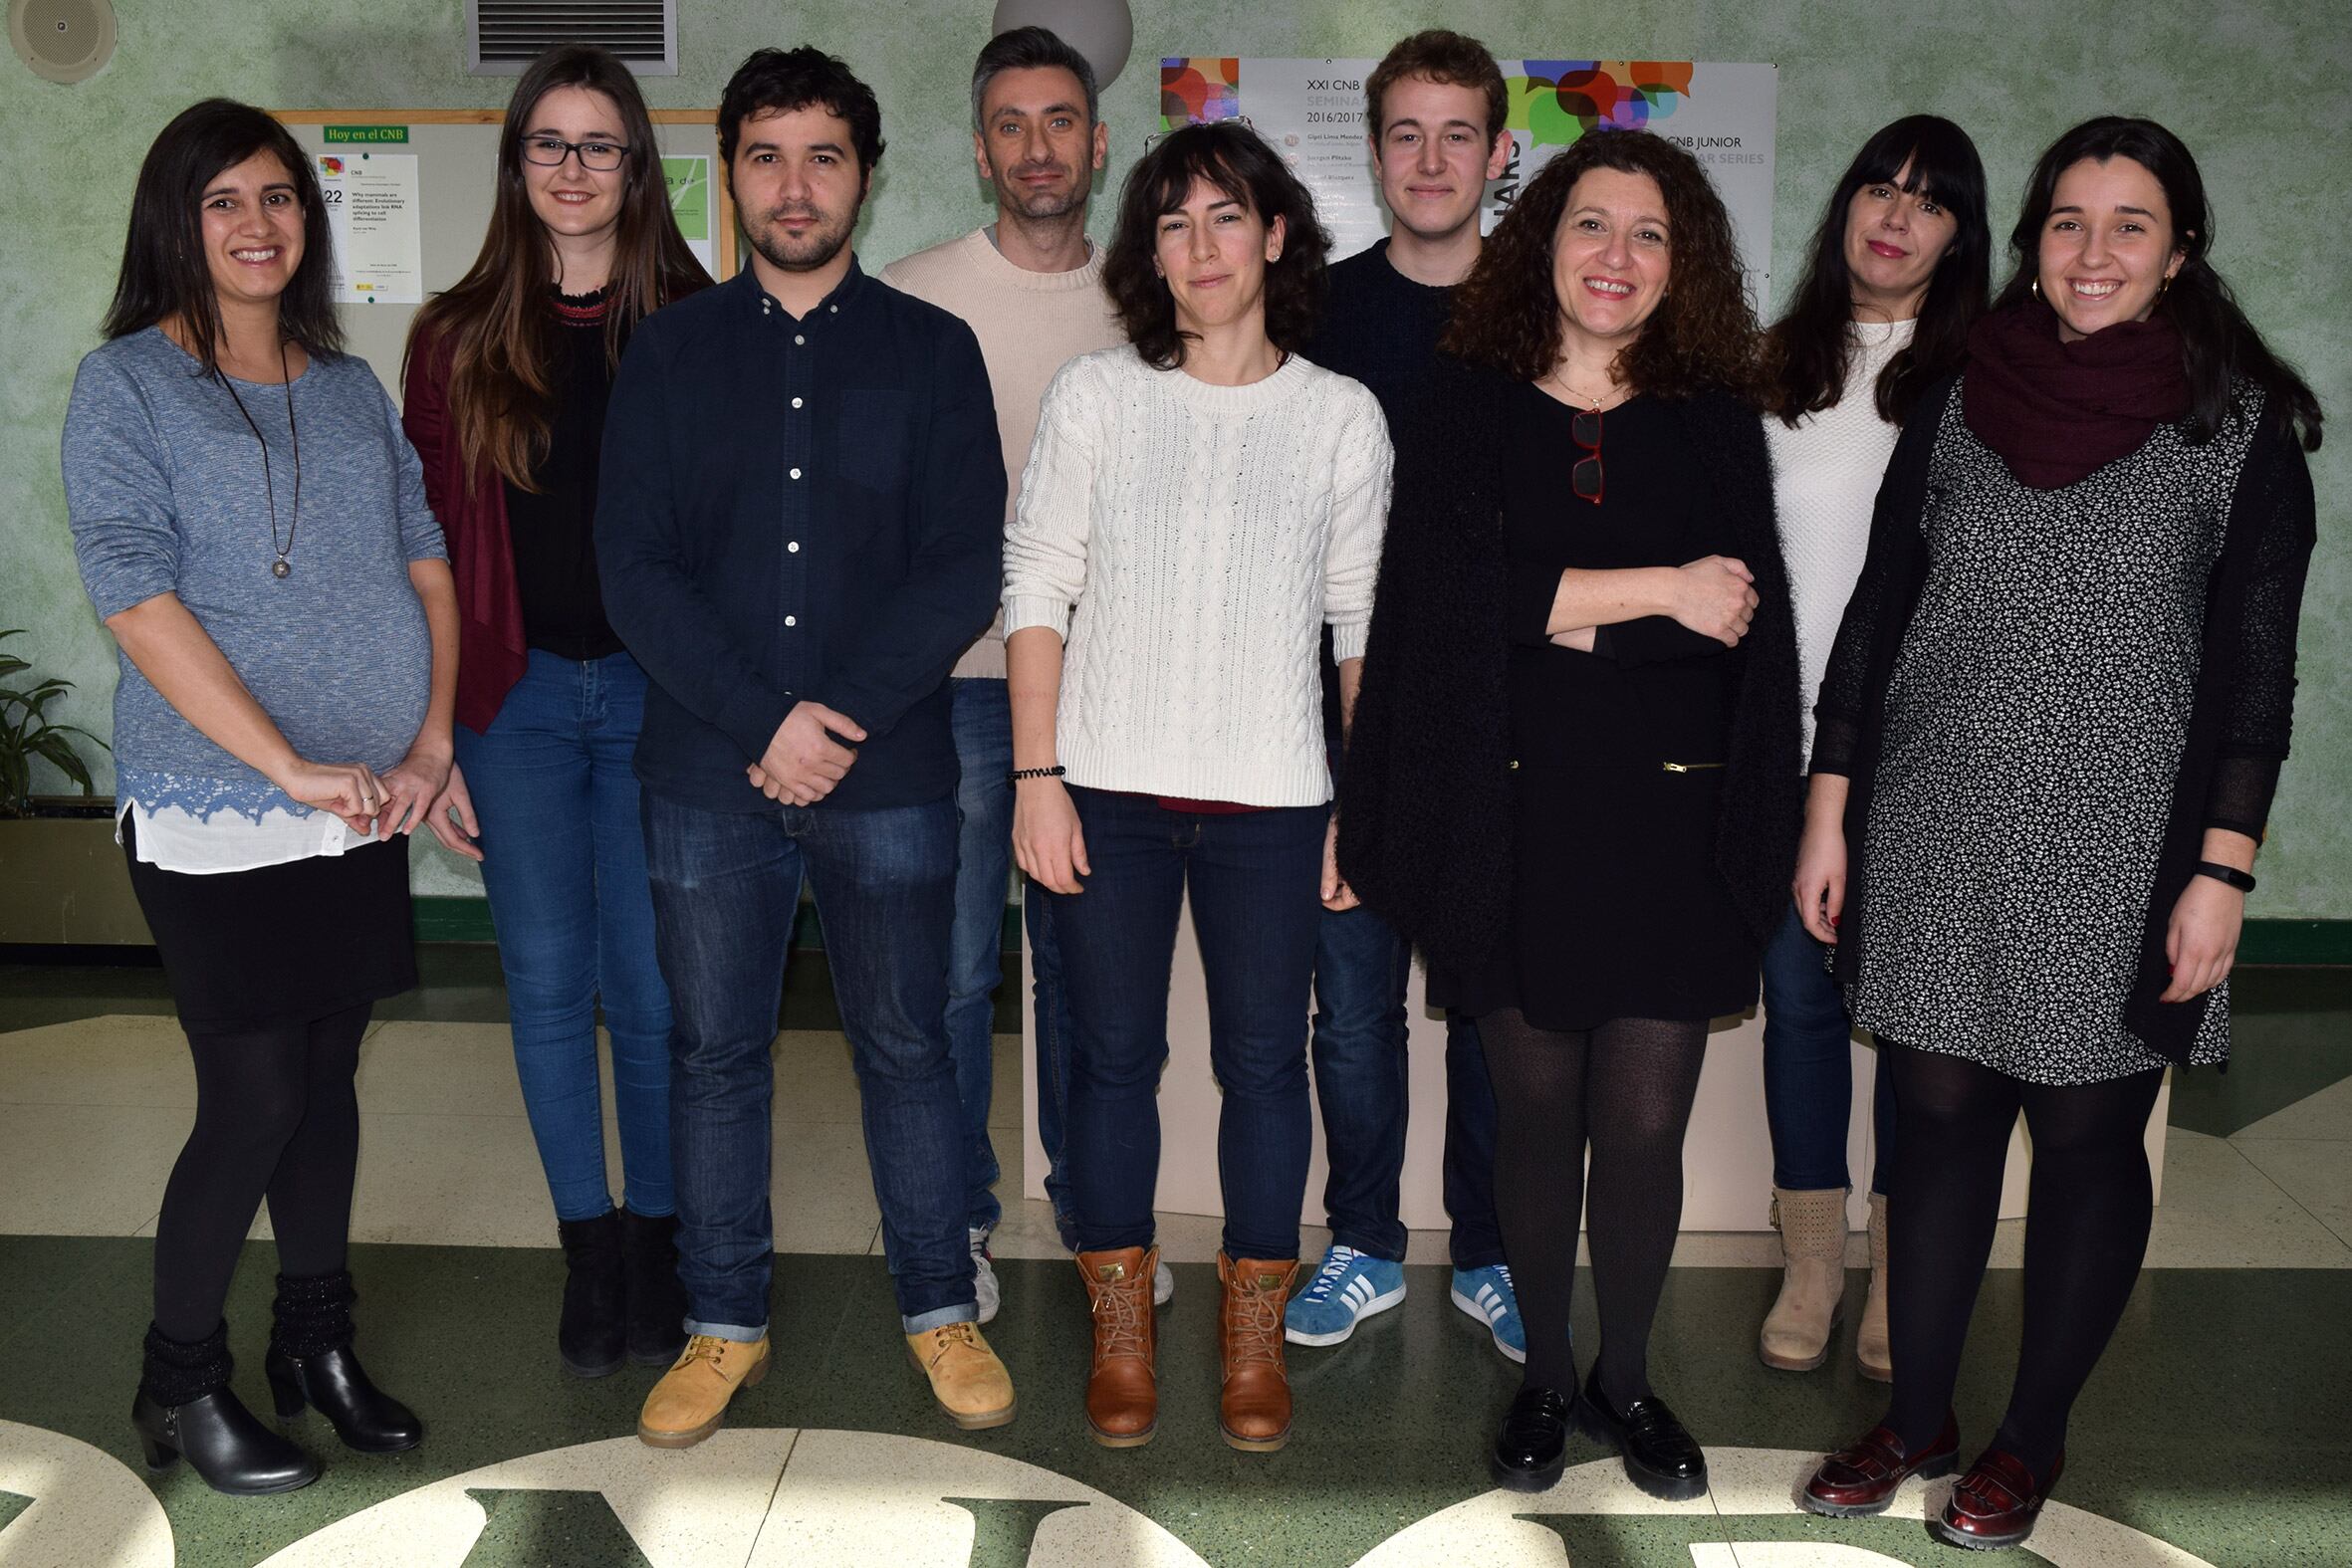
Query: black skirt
(282, 944)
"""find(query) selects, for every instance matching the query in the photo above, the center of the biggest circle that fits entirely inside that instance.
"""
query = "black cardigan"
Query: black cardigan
(1425, 819)
(2239, 718)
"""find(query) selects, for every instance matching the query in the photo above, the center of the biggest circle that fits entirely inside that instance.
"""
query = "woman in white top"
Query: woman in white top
(1198, 504)
(1896, 279)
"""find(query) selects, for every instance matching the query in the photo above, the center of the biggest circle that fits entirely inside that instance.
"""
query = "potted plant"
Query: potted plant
(62, 878)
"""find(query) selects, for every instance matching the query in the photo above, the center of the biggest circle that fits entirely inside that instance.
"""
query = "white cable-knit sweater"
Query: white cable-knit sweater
(1188, 542)
(1825, 476)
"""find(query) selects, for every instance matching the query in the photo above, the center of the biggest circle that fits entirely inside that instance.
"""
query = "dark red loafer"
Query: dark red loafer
(1996, 1503)
(1863, 1478)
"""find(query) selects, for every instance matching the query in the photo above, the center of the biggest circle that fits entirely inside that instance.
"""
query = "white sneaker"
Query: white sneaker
(1163, 1286)
(986, 1292)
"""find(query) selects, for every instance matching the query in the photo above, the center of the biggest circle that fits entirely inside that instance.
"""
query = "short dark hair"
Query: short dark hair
(1237, 160)
(164, 273)
(778, 81)
(1032, 48)
(1506, 314)
(1439, 56)
(1807, 349)
(2218, 343)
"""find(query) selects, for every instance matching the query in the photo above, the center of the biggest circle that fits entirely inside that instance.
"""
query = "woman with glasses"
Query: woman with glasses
(2043, 759)
(1200, 503)
(252, 527)
(507, 379)
(1573, 777)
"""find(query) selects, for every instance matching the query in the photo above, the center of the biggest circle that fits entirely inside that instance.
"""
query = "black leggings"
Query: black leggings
(1626, 1089)
(2089, 1202)
(276, 1117)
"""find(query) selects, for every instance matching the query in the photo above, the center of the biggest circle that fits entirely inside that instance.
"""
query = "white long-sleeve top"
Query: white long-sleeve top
(1825, 476)
(1188, 543)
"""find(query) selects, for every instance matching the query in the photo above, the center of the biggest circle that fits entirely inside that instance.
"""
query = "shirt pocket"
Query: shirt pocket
(873, 439)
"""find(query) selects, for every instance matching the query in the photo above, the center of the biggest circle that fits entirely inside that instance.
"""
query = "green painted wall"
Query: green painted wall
(2260, 88)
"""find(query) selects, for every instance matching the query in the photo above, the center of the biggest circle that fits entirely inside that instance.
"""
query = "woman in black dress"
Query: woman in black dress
(2047, 742)
(1574, 775)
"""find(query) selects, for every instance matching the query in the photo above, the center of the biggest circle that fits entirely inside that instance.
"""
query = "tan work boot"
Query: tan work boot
(1123, 1386)
(1253, 1407)
(971, 1385)
(1813, 1226)
(1870, 1340)
(689, 1401)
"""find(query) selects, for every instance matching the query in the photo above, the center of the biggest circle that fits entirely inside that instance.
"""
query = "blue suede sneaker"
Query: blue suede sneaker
(1349, 1288)
(1486, 1294)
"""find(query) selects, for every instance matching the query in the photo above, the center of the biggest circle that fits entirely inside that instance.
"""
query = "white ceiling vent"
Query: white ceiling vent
(503, 35)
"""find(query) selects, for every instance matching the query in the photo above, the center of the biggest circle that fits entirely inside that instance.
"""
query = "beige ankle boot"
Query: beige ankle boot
(1870, 1340)
(1813, 1226)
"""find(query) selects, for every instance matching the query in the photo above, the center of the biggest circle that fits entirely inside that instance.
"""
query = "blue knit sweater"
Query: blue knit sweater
(165, 495)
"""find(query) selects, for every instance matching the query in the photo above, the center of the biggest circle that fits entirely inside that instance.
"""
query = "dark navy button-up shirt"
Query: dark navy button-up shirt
(800, 509)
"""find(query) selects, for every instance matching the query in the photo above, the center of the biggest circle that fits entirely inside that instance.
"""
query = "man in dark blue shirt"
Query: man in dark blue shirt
(800, 527)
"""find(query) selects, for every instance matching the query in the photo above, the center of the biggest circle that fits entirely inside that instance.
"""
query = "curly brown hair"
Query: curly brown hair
(1236, 160)
(1506, 314)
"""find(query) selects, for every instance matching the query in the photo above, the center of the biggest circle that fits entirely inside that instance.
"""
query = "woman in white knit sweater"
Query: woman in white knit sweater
(1896, 279)
(1197, 506)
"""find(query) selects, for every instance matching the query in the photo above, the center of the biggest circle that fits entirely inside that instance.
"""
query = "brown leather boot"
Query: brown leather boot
(1123, 1388)
(1254, 1408)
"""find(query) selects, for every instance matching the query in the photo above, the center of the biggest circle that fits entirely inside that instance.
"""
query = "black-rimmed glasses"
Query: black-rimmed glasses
(1585, 478)
(602, 158)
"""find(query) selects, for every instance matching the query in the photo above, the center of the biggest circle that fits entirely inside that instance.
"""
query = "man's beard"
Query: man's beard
(1042, 204)
(817, 246)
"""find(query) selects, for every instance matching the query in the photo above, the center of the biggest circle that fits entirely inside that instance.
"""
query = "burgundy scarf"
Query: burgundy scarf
(2054, 411)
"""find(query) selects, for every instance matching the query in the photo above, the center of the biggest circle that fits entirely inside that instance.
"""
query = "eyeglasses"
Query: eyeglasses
(1585, 478)
(602, 157)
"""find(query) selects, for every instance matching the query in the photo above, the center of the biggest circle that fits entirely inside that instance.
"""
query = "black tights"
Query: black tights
(1626, 1088)
(276, 1117)
(2086, 1231)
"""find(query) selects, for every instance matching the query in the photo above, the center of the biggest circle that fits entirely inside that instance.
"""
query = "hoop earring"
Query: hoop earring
(2164, 285)
(2033, 286)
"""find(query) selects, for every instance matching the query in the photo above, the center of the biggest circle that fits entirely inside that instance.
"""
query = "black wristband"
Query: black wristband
(2244, 881)
(1019, 773)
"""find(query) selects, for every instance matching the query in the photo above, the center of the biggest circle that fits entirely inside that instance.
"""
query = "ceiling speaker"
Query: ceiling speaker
(63, 40)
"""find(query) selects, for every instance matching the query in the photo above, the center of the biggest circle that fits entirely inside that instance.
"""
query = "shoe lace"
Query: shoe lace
(1256, 1331)
(952, 1336)
(1502, 1272)
(1336, 1263)
(704, 1347)
(1119, 1318)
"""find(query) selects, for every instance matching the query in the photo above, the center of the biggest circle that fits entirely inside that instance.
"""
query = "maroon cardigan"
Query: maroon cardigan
(491, 651)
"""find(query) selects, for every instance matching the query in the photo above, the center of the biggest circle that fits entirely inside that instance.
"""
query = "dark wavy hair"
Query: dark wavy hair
(164, 273)
(1703, 334)
(778, 81)
(1437, 55)
(1806, 352)
(501, 333)
(1237, 160)
(2218, 343)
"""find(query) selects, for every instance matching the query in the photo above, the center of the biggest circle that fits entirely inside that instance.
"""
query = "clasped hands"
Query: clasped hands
(803, 761)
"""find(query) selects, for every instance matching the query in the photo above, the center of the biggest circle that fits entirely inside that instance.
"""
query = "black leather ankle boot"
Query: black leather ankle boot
(593, 1334)
(184, 1409)
(649, 1277)
(311, 1362)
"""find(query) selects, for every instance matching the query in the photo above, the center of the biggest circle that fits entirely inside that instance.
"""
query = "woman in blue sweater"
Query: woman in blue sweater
(251, 524)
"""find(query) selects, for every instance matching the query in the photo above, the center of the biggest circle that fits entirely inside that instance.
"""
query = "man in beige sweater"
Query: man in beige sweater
(1029, 285)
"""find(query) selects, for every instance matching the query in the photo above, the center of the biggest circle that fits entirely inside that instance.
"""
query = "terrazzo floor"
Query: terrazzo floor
(2214, 1433)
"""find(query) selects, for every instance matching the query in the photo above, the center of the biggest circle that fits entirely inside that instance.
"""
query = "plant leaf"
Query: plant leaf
(64, 758)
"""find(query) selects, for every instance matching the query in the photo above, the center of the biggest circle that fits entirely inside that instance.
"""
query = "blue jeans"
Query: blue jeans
(725, 890)
(1054, 1032)
(982, 716)
(1254, 882)
(564, 863)
(1808, 1069)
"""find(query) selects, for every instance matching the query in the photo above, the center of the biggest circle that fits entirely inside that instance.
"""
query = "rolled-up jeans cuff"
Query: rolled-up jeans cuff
(734, 1331)
(940, 1317)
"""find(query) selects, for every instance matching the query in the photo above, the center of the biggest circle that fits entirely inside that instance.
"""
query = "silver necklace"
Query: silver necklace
(280, 568)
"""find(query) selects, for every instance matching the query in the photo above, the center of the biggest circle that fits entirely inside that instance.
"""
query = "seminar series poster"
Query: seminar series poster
(1313, 111)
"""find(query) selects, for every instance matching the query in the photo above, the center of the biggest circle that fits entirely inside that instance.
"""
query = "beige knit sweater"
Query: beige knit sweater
(1188, 542)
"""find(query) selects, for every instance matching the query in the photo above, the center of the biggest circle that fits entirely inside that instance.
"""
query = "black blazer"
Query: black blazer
(1425, 820)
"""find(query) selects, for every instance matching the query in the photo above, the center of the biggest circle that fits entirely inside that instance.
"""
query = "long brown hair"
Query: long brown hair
(1506, 314)
(495, 324)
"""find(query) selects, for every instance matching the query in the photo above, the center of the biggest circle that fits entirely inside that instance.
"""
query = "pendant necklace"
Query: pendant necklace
(280, 568)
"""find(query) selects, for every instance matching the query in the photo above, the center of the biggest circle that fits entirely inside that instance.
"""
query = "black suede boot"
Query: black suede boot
(184, 1407)
(656, 1301)
(593, 1334)
(311, 1361)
